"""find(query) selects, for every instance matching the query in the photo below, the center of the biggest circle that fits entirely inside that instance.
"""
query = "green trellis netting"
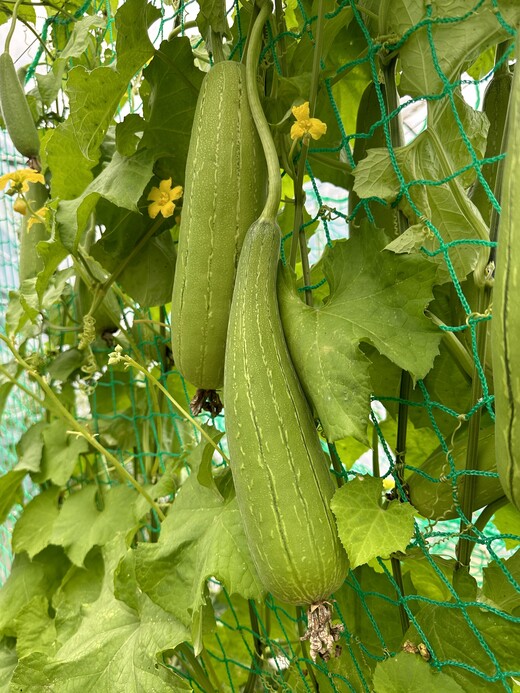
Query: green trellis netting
(258, 646)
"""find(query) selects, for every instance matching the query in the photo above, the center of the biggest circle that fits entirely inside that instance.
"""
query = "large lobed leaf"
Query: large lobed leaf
(175, 85)
(202, 537)
(366, 529)
(121, 182)
(467, 30)
(115, 647)
(409, 672)
(375, 297)
(73, 148)
(474, 647)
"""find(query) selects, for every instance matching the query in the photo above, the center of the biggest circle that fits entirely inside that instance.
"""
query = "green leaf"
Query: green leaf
(373, 294)
(73, 149)
(200, 460)
(175, 85)
(371, 618)
(457, 43)
(303, 54)
(121, 182)
(409, 672)
(60, 454)
(11, 491)
(80, 586)
(12, 371)
(82, 525)
(447, 633)
(348, 672)
(507, 521)
(8, 662)
(66, 363)
(32, 532)
(114, 649)
(475, 125)
(52, 253)
(71, 171)
(127, 137)
(30, 448)
(81, 38)
(431, 575)
(499, 588)
(80, 41)
(212, 15)
(483, 64)
(104, 86)
(365, 528)
(28, 579)
(202, 537)
(148, 277)
(453, 225)
(446, 206)
(35, 629)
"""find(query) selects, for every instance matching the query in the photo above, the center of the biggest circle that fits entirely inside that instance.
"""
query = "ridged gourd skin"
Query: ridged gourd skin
(280, 471)
(434, 500)
(224, 193)
(505, 325)
(15, 110)
(30, 263)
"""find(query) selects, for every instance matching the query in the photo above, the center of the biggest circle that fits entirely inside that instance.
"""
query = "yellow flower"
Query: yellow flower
(162, 198)
(20, 205)
(388, 483)
(305, 125)
(42, 213)
(19, 180)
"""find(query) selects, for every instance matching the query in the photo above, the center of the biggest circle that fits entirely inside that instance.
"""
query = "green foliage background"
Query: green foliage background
(102, 595)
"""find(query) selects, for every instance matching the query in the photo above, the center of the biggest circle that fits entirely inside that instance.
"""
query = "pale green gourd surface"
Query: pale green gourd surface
(505, 326)
(15, 110)
(224, 193)
(280, 471)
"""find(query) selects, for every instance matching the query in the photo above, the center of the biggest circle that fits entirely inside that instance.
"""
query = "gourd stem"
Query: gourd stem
(257, 661)
(198, 672)
(343, 166)
(397, 140)
(182, 27)
(12, 27)
(216, 47)
(298, 231)
(281, 28)
(502, 49)
(273, 167)
(336, 463)
(488, 512)
(465, 546)
(376, 472)
(301, 630)
(455, 348)
(299, 201)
